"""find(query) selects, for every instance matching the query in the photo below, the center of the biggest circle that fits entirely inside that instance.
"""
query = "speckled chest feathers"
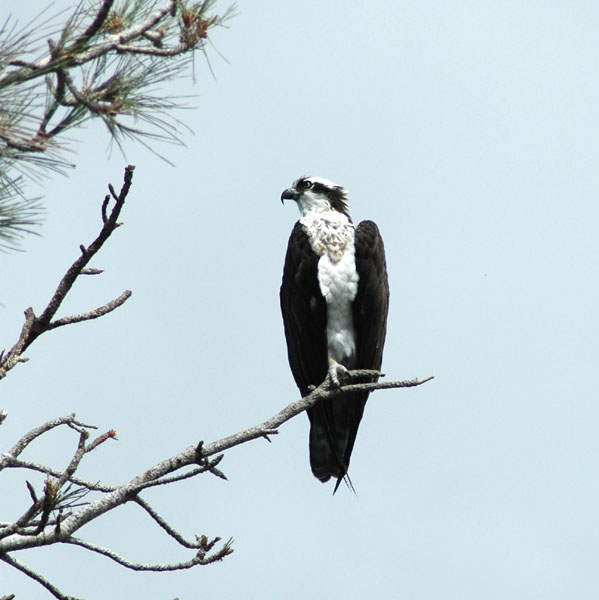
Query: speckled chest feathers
(331, 236)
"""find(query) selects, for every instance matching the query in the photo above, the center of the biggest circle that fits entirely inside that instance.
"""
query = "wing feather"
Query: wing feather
(371, 304)
(304, 312)
(370, 308)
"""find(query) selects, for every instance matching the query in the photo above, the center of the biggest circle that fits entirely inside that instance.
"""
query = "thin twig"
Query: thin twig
(91, 271)
(92, 314)
(10, 463)
(13, 562)
(198, 559)
(164, 525)
(37, 431)
(209, 467)
(152, 50)
(95, 25)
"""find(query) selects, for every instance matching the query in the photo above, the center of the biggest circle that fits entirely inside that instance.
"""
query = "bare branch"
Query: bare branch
(200, 558)
(92, 314)
(24, 520)
(164, 525)
(109, 435)
(175, 478)
(13, 562)
(72, 466)
(36, 326)
(29, 532)
(14, 354)
(189, 456)
(383, 385)
(207, 467)
(91, 271)
(37, 431)
(87, 254)
(10, 463)
(324, 391)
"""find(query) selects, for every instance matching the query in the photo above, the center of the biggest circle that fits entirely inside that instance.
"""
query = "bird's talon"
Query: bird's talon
(338, 374)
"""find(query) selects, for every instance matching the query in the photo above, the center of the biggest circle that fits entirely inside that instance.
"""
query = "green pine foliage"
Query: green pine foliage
(108, 61)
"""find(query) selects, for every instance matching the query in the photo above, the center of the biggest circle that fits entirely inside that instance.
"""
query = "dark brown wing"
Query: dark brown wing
(372, 300)
(304, 312)
(370, 308)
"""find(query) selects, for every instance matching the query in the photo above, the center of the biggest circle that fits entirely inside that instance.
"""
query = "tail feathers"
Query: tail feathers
(323, 459)
(334, 426)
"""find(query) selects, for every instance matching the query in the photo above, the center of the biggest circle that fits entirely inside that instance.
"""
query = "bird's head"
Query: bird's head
(317, 194)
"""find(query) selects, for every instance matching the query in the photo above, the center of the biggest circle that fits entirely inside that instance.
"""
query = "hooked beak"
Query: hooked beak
(289, 194)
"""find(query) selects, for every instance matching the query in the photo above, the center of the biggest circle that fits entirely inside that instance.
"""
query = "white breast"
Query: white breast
(332, 238)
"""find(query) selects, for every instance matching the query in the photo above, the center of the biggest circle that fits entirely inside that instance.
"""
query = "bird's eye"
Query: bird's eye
(306, 185)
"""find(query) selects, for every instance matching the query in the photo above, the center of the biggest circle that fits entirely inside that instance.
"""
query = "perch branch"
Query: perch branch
(187, 457)
(29, 532)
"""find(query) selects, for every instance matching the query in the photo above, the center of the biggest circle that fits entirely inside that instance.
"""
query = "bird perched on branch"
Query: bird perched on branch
(334, 300)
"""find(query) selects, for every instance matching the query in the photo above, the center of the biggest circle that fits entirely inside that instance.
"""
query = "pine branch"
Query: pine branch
(106, 63)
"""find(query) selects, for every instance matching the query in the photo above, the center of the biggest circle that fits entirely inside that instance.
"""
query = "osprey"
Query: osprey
(334, 300)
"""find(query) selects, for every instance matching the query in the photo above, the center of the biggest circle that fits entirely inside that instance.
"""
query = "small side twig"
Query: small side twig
(41, 429)
(92, 314)
(164, 525)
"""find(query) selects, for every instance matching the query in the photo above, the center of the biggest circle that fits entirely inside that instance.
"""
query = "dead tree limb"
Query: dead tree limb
(36, 326)
(56, 515)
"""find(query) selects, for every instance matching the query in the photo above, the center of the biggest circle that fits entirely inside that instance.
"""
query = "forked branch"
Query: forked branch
(58, 514)
(36, 326)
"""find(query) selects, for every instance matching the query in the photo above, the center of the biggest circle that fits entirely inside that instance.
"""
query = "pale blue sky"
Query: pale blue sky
(469, 132)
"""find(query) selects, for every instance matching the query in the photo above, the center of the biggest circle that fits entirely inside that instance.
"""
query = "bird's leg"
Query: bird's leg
(337, 372)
